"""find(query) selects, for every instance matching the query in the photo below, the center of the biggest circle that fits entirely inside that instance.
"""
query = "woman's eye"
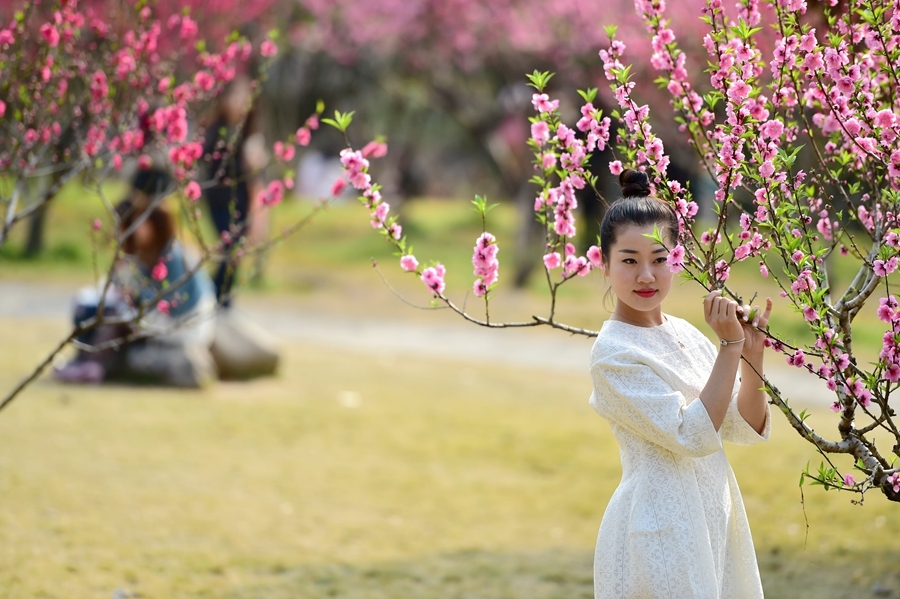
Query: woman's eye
(660, 260)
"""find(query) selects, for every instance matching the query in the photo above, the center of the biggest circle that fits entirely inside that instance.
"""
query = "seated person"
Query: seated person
(169, 303)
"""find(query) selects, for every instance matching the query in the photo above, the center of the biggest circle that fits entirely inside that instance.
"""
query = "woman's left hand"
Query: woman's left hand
(753, 320)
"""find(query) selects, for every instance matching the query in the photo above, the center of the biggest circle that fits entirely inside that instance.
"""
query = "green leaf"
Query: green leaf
(539, 79)
(341, 121)
(589, 94)
(320, 106)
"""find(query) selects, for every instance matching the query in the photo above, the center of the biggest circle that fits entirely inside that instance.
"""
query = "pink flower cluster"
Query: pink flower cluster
(159, 272)
(272, 195)
(433, 277)
(574, 264)
(890, 342)
(894, 481)
(304, 135)
(675, 259)
(484, 259)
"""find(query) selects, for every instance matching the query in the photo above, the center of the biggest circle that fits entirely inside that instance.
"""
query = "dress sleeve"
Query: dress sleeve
(736, 430)
(634, 396)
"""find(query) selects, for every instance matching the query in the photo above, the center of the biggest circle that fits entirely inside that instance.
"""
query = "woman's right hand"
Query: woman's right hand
(722, 316)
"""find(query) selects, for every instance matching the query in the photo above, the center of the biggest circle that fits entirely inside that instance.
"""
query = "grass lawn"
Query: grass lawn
(366, 477)
(363, 477)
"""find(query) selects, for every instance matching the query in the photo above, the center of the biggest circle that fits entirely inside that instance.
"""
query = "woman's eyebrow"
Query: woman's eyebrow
(656, 251)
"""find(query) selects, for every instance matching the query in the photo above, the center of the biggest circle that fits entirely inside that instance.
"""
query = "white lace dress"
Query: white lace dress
(675, 528)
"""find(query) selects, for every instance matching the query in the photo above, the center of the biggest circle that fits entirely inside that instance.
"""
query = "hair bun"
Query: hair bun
(634, 184)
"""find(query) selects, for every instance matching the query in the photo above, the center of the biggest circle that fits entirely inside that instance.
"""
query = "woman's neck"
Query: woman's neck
(636, 318)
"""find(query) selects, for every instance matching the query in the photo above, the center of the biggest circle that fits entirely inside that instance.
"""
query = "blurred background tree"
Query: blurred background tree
(445, 78)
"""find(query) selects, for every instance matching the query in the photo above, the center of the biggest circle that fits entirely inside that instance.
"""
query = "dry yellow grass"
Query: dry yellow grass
(361, 477)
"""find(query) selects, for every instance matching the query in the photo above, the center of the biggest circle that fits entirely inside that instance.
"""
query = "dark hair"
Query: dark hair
(637, 207)
(149, 183)
(152, 181)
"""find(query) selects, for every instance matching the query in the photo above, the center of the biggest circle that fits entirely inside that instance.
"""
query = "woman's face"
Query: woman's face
(236, 103)
(143, 235)
(639, 275)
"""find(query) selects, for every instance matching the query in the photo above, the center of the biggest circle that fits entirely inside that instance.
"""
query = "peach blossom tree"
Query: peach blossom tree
(827, 87)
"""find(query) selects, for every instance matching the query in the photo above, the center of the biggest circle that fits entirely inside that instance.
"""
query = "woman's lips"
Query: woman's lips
(646, 292)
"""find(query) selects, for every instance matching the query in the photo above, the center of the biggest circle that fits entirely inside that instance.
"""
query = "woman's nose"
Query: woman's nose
(645, 275)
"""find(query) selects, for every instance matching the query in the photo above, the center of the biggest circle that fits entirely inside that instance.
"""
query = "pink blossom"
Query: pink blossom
(409, 263)
(887, 308)
(338, 186)
(892, 373)
(738, 91)
(50, 34)
(615, 167)
(540, 132)
(284, 151)
(480, 288)
(268, 48)
(884, 118)
(542, 103)
(548, 160)
(273, 194)
(97, 224)
(312, 122)
(575, 265)
(203, 79)
(675, 259)
(484, 258)
(742, 251)
(381, 211)
(2, 108)
(192, 191)
(763, 270)
(722, 271)
(894, 481)
(883, 268)
(810, 314)
(376, 149)
(353, 161)
(771, 129)
(162, 306)
(797, 257)
(302, 136)
(188, 28)
(359, 179)
(594, 255)
(842, 362)
(552, 260)
(835, 405)
(145, 162)
(160, 271)
(6, 37)
(433, 277)
(849, 481)
(798, 358)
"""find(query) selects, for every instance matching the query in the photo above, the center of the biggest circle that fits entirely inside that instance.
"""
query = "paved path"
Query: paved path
(553, 350)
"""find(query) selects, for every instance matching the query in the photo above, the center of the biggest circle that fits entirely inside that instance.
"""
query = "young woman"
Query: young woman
(675, 527)
(181, 325)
